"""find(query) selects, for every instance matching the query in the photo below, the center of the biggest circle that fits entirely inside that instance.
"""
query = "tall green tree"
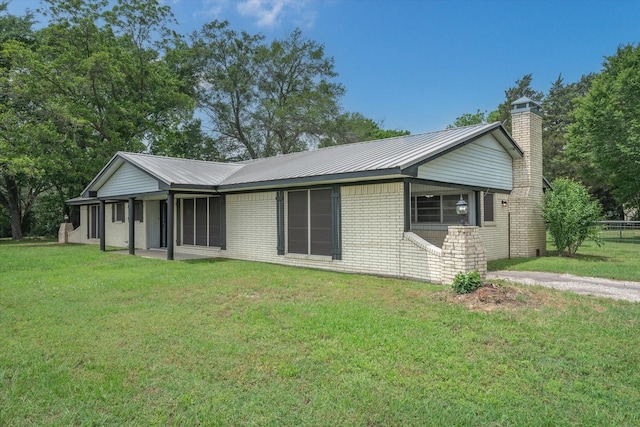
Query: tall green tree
(298, 97)
(355, 127)
(522, 88)
(263, 98)
(557, 107)
(27, 136)
(605, 135)
(93, 82)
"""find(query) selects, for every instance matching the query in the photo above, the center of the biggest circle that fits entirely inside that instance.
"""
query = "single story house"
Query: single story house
(384, 207)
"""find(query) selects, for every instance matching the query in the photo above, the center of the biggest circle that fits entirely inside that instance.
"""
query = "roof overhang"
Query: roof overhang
(375, 175)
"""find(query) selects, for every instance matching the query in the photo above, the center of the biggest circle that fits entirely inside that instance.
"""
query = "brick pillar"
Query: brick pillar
(462, 251)
(63, 232)
(527, 237)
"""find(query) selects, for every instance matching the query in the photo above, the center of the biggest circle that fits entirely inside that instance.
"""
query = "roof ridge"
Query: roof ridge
(179, 158)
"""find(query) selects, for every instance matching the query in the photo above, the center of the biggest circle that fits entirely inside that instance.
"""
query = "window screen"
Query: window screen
(188, 213)
(488, 207)
(201, 222)
(320, 220)
(298, 222)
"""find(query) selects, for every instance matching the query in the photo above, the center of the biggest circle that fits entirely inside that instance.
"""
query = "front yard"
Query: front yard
(92, 338)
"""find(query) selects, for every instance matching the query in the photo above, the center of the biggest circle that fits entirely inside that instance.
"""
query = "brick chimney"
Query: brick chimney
(527, 228)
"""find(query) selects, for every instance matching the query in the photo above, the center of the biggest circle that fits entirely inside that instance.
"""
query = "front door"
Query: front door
(163, 223)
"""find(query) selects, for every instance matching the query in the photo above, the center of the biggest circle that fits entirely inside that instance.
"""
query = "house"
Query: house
(384, 207)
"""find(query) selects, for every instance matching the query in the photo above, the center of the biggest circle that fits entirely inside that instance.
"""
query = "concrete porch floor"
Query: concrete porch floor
(162, 254)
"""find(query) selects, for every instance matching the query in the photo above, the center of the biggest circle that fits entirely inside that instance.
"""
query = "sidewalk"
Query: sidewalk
(596, 286)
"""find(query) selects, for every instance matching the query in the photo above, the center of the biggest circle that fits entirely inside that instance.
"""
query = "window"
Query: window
(117, 212)
(93, 232)
(437, 209)
(310, 222)
(488, 207)
(202, 221)
(138, 210)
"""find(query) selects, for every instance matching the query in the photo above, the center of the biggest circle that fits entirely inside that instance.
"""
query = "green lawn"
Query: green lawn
(91, 338)
(612, 260)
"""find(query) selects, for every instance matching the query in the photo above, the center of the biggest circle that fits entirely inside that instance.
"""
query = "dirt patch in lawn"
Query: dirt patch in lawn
(499, 297)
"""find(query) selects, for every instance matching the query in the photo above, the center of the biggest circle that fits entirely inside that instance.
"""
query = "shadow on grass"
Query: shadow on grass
(29, 242)
(204, 260)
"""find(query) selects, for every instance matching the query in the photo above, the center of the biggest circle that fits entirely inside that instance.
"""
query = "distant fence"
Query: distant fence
(620, 230)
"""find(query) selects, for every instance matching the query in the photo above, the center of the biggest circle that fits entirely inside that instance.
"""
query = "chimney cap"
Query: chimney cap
(526, 104)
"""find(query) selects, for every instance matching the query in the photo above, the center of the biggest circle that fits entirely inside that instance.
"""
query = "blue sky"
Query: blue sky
(417, 65)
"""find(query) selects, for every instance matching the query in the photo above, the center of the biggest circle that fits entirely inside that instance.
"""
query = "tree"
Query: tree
(570, 215)
(298, 99)
(605, 137)
(469, 119)
(264, 99)
(354, 127)
(92, 82)
(25, 143)
(227, 87)
(557, 107)
(522, 88)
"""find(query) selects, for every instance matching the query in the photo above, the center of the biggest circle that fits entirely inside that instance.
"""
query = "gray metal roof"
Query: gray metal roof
(391, 157)
(394, 155)
(174, 171)
(169, 170)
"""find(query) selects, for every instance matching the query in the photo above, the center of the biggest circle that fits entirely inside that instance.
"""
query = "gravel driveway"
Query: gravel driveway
(607, 288)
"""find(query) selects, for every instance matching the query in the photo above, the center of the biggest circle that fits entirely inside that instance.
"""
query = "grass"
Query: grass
(91, 338)
(613, 260)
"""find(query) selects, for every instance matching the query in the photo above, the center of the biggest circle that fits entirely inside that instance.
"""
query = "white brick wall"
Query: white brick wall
(495, 234)
(117, 233)
(373, 237)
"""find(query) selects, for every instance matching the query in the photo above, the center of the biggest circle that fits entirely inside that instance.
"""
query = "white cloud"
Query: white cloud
(214, 8)
(269, 13)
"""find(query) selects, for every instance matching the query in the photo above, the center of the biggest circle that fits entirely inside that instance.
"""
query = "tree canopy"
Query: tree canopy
(109, 75)
(605, 135)
(354, 127)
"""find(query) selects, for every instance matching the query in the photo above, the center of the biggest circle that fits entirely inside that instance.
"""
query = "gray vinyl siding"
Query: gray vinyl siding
(128, 180)
(482, 163)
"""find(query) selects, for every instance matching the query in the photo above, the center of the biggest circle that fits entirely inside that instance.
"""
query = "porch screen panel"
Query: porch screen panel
(214, 222)
(427, 209)
(201, 222)
(320, 219)
(188, 213)
(297, 230)
(449, 215)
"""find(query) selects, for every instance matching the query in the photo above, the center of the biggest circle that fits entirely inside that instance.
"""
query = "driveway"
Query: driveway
(616, 289)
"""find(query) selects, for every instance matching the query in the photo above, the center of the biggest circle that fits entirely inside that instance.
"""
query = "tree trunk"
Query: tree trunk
(12, 204)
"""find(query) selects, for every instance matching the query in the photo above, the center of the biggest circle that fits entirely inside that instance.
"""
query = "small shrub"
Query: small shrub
(571, 215)
(465, 283)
